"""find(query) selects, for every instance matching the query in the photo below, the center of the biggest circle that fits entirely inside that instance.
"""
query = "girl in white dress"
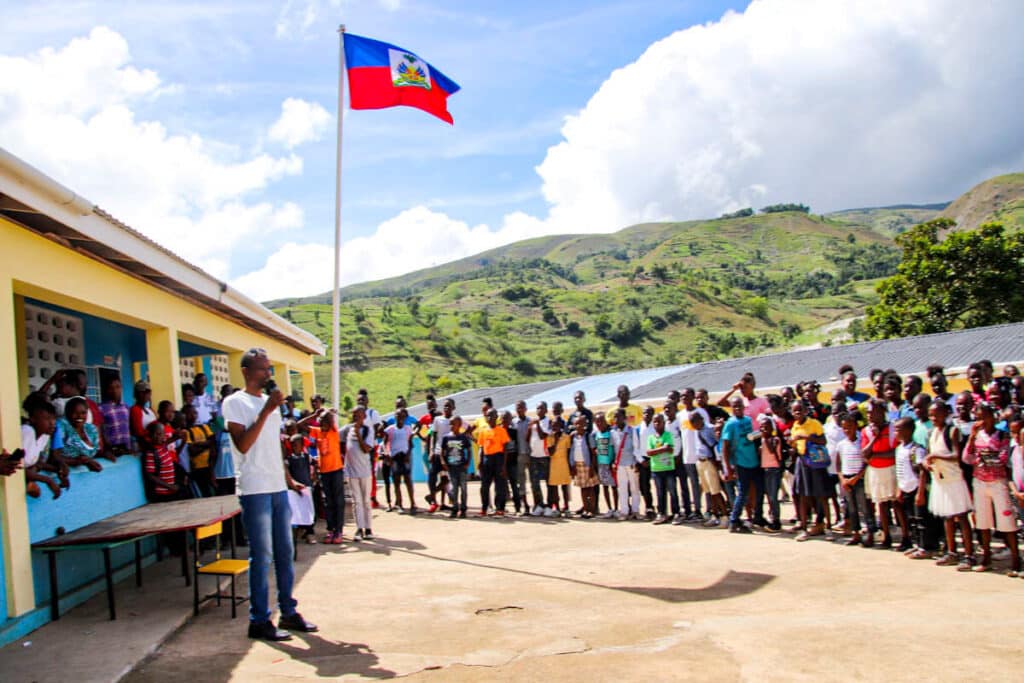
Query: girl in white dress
(948, 497)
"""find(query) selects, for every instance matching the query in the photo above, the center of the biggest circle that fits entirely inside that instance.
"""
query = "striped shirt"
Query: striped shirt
(160, 461)
(850, 456)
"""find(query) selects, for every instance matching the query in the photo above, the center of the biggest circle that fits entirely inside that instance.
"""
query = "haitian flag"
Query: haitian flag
(382, 75)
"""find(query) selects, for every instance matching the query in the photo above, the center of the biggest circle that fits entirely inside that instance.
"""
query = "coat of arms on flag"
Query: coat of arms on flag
(408, 70)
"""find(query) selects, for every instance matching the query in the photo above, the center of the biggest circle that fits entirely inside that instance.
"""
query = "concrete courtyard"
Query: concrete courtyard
(436, 599)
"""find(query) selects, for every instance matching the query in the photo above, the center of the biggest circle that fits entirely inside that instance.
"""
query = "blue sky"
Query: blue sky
(573, 116)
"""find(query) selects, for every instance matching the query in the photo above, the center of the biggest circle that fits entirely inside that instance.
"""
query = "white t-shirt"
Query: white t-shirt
(372, 419)
(643, 431)
(908, 455)
(442, 427)
(673, 428)
(358, 464)
(538, 447)
(689, 439)
(398, 438)
(261, 470)
(34, 447)
(852, 459)
(833, 435)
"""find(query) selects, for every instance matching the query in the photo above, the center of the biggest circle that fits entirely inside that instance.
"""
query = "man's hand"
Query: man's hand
(8, 464)
(274, 400)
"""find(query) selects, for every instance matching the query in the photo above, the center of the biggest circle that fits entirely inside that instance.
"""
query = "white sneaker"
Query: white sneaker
(538, 511)
(608, 515)
(550, 512)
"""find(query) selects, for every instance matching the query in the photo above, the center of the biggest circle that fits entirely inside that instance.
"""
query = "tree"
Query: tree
(779, 208)
(969, 279)
(742, 213)
(659, 272)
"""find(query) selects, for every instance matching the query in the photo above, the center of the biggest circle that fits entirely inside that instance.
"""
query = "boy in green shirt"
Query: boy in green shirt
(660, 449)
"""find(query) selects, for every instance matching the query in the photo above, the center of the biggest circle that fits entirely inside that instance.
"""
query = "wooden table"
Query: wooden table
(132, 527)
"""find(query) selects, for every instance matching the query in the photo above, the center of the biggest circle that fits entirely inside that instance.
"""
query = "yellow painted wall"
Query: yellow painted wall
(39, 268)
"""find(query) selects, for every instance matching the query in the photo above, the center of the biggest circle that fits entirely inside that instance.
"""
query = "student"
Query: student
(398, 440)
(854, 398)
(644, 431)
(223, 465)
(604, 451)
(707, 471)
(141, 414)
(583, 462)
(331, 464)
(519, 465)
(878, 445)
(207, 407)
(507, 422)
(358, 469)
(559, 473)
(372, 420)
(158, 467)
(715, 413)
(200, 444)
(82, 440)
(300, 487)
(771, 466)
(456, 454)
(40, 443)
(988, 451)
(440, 427)
(634, 414)
(492, 439)
(852, 469)
(540, 460)
(689, 445)
(673, 425)
(740, 453)
(948, 497)
(909, 459)
(627, 477)
(580, 400)
(810, 478)
(661, 454)
(117, 432)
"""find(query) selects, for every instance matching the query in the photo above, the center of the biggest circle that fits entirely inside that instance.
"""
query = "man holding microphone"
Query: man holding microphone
(253, 420)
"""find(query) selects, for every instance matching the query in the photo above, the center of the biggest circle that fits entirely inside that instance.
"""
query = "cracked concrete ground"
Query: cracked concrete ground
(435, 599)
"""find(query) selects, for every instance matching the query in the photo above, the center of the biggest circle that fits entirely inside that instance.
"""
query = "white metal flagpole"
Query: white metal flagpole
(336, 320)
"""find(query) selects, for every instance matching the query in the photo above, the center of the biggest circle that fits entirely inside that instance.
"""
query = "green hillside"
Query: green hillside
(889, 220)
(652, 294)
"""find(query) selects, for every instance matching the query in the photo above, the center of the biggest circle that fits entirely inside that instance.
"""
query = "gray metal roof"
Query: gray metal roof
(999, 343)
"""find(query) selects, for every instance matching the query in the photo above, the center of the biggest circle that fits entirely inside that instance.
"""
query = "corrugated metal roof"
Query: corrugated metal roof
(998, 343)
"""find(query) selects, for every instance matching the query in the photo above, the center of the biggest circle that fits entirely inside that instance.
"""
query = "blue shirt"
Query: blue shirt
(736, 430)
(224, 467)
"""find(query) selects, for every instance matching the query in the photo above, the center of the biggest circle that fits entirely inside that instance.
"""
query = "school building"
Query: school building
(79, 289)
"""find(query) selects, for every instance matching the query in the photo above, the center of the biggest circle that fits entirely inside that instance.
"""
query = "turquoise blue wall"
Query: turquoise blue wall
(92, 496)
(106, 338)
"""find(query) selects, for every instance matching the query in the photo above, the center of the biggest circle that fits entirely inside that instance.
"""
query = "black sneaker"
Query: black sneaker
(462, 513)
(453, 514)
(739, 529)
(265, 630)
(358, 536)
(367, 534)
(295, 622)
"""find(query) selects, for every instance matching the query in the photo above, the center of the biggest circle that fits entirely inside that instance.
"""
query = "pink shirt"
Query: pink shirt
(755, 407)
(989, 454)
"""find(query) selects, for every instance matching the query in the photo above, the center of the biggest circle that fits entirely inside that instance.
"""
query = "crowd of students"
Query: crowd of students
(901, 465)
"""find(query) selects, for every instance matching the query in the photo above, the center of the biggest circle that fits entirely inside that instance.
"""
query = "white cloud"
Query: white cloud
(300, 122)
(69, 112)
(834, 104)
(415, 238)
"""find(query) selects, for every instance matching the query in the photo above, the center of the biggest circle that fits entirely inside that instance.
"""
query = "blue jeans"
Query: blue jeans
(748, 477)
(665, 482)
(772, 484)
(268, 523)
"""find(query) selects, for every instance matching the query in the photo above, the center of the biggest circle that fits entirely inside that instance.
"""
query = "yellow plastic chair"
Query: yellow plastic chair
(219, 567)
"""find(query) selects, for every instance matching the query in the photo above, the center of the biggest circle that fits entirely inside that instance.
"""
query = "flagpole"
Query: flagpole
(336, 319)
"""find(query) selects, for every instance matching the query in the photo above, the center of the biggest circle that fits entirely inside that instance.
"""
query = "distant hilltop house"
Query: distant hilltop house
(81, 290)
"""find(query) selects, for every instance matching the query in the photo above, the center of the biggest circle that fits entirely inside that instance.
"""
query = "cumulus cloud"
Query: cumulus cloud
(415, 238)
(833, 104)
(70, 112)
(300, 122)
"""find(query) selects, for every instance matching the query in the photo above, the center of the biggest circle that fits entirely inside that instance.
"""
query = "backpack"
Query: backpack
(816, 457)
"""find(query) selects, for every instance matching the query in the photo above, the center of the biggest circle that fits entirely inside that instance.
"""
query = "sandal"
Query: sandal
(982, 567)
(920, 554)
(966, 565)
(947, 560)
(1014, 573)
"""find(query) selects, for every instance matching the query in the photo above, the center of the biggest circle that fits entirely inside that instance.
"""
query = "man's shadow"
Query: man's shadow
(331, 659)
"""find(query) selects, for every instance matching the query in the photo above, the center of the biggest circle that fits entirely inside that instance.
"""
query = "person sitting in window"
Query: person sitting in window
(41, 443)
(117, 433)
(82, 441)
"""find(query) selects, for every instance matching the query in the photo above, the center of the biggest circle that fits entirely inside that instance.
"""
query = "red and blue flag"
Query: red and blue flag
(382, 75)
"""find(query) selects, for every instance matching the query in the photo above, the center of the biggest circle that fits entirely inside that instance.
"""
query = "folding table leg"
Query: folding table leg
(184, 562)
(110, 583)
(51, 558)
(138, 563)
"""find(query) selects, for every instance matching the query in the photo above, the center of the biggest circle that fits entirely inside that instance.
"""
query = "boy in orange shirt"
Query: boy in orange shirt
(332, 473)
(492, 439)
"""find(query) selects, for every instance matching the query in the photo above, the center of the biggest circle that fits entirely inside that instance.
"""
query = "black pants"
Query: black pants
(334, 498)
(665, 483)
(491, 468)
(512, 482)
(645, 487)
(925, 528)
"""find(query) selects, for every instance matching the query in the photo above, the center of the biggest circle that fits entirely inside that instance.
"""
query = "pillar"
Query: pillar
(308, 387)
(164, 365)
(17, 551)
(237, 379)
(283, 378)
